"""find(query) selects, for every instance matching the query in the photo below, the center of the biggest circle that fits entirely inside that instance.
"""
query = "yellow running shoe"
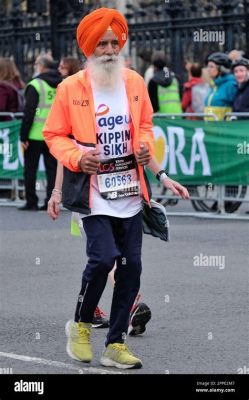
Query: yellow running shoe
(78, 344)
(118, 355)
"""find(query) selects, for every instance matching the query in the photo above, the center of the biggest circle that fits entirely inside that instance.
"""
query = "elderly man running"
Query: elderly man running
(100, 129)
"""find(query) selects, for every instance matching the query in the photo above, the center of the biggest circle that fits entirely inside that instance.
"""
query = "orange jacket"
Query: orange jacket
(70, 129)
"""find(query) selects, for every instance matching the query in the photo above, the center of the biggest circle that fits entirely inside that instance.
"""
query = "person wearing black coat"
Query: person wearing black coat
(241, 72)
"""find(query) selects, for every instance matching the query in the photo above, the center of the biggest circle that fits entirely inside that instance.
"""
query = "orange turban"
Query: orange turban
(94, 25)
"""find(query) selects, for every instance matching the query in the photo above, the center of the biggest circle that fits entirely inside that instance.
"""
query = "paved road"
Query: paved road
(200, 313)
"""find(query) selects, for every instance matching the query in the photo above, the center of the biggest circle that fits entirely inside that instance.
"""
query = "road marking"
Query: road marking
(57, 364)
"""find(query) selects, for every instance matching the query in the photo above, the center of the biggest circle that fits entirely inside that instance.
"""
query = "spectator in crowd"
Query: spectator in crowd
(204, 75)
(164, 89)
(11, 97)
(11, 88)
(188, 64)
(235, 54)
(147, 70)
(240, 69)
(195, 91)
(39, 96)
(69, 66)
(128, 62)
(221, 96)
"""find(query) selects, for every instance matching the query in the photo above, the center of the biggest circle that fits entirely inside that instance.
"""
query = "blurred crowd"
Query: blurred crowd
(219, 86)
(216, 88)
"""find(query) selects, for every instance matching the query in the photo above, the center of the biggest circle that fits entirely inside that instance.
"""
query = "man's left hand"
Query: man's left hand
(143, 154)
(176, 188)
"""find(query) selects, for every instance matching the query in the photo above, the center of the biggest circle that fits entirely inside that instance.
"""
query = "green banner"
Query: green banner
(11, 153)
(199, 152)
(193, 152)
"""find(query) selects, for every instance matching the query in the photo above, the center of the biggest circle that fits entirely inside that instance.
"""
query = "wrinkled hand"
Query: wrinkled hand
(176, 188)
(89, 162)
(54, 206)
(143, 155)
(25, 145)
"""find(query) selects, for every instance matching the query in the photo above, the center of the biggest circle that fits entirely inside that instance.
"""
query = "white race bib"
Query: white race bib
(118, 178)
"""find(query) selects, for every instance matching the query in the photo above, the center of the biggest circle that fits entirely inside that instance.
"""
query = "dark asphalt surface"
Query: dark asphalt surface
(199, 314)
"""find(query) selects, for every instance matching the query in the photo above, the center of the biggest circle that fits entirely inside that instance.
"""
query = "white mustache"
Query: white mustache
(104, 59)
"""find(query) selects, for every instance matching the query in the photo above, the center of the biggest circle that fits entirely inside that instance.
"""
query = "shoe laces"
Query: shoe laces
(120, 347)
(99, 313)
(84, 334)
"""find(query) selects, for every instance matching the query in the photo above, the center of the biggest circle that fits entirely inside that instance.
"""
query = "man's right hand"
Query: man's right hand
(89, 162)
(54, 206)
(25, 145)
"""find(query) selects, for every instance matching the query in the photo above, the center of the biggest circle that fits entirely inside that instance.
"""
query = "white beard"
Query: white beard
(105, 74)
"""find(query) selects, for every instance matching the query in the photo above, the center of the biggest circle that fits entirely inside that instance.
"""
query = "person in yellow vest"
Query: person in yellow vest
(164, 89)
(39, 96)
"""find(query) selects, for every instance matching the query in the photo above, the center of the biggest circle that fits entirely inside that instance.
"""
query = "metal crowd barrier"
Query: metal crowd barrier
(234, 115)
(185, 115)
(219, 199)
